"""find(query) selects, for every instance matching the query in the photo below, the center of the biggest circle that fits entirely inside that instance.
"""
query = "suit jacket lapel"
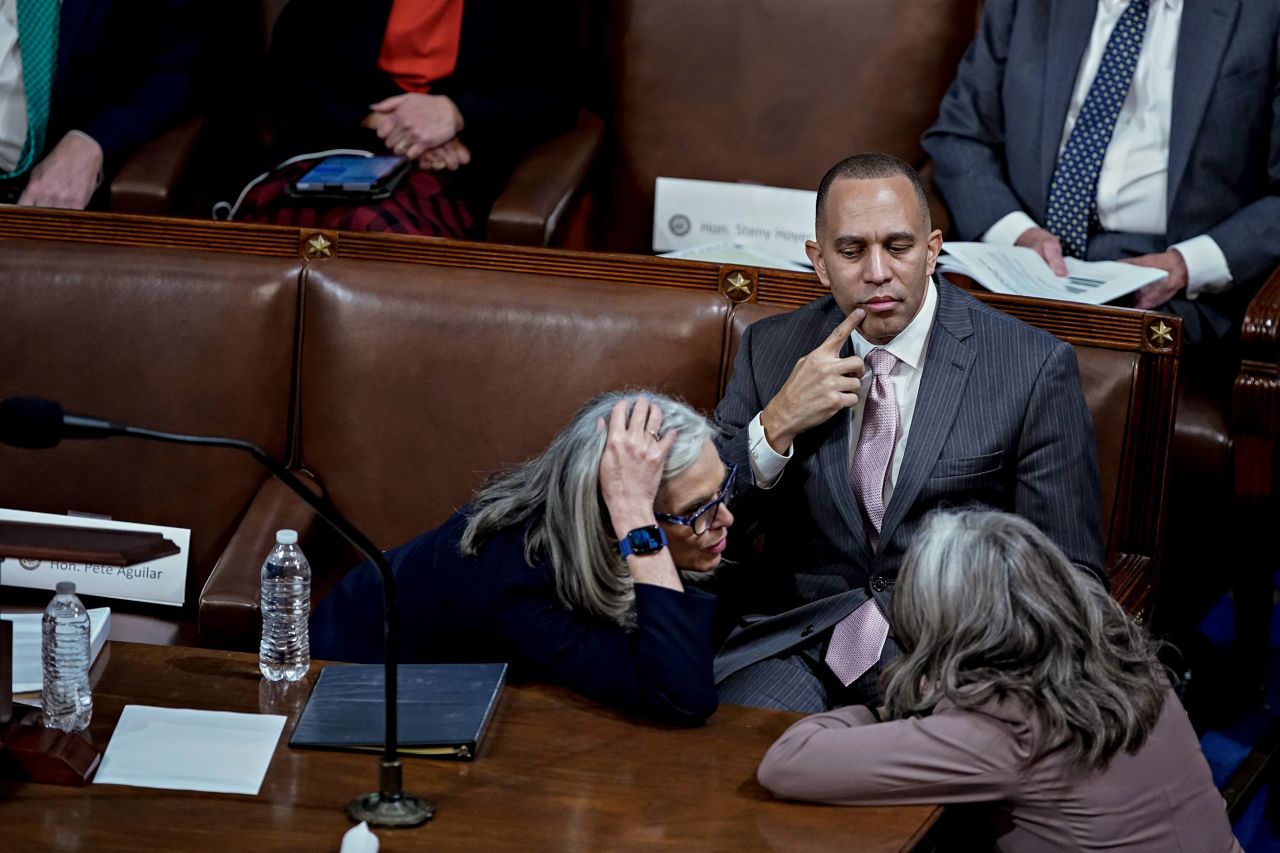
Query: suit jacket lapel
(946, 372)
(833, 462)
(1202, 39)
(1070, 25)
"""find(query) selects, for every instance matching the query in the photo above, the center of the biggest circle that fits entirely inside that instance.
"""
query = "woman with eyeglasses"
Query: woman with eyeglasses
(567, 567)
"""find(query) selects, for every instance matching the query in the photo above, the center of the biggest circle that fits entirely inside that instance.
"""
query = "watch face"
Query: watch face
(643, 540)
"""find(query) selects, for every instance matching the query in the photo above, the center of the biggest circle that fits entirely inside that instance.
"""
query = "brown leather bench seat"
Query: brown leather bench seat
(397, 373)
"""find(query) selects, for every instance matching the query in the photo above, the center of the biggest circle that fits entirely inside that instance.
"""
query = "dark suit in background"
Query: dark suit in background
(124, 74)
(995, 143)
(1000, 421)
(125, 70)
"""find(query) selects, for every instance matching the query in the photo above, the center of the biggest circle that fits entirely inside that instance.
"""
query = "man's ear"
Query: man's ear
(814, 251)
(935, 247)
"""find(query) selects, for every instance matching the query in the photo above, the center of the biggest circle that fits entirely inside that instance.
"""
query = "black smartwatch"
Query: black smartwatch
(642, 540)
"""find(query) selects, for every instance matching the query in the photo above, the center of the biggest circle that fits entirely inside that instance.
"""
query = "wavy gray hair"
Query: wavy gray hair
(986, 607)
(558, 494)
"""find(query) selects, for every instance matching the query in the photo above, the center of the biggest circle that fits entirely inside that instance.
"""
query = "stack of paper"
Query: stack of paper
(731, 252)
(1022, 272)
(27, 669)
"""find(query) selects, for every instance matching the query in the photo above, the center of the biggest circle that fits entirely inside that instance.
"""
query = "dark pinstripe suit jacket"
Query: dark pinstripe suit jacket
(1000, 421)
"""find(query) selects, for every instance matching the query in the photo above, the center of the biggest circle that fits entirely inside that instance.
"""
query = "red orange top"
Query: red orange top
(420, 45)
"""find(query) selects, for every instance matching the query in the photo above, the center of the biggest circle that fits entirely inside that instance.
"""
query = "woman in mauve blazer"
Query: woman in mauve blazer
(533, 571)
(1023, 686)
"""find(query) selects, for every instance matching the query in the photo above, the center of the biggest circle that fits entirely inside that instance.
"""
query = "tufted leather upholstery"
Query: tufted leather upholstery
(770, 92)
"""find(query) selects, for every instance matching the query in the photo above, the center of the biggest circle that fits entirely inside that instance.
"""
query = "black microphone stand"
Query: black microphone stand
(389, 805)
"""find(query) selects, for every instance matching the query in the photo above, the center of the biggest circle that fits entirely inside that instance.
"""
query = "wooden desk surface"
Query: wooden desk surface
(556, 772)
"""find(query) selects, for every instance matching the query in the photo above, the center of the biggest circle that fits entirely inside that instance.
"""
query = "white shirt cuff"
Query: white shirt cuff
(1207, 269)
(101, 174)
(1008, 228)
(766, 463)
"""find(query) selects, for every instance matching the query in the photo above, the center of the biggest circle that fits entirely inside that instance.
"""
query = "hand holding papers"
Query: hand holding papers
(1021, 272)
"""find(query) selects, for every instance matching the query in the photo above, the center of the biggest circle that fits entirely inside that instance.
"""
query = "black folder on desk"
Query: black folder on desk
(444, 708)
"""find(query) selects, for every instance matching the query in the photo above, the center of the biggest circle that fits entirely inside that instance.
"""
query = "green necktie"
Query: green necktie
(38, 44)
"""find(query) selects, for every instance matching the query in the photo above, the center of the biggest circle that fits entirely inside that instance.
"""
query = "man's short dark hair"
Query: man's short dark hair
(862, 167)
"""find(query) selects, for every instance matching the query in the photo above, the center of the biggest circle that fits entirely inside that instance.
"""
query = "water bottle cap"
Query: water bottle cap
(65, 588)
(287, 537)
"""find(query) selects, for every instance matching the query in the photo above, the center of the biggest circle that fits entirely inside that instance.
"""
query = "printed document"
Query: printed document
(1019, 271)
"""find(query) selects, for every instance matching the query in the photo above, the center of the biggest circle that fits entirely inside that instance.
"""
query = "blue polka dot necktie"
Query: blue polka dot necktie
(38, 45)
(1073, 194)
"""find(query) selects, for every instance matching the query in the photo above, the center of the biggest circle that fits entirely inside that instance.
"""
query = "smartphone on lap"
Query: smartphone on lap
(351, 177)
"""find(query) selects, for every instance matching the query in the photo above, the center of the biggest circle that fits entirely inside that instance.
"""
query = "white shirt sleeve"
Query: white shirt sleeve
(766, 463)
(1008, 229)
(1207, 268)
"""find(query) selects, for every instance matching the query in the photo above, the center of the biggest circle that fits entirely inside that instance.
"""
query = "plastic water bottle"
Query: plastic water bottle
(286, 606)
(65, 699)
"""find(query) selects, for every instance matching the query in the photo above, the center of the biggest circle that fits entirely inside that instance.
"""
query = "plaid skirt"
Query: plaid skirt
(422, 204)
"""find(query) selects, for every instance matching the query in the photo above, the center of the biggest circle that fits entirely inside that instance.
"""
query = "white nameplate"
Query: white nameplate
(773, 220)
(163, 581)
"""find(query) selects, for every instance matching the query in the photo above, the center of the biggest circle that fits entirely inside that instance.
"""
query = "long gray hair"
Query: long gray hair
(558, 494)
(986, 607)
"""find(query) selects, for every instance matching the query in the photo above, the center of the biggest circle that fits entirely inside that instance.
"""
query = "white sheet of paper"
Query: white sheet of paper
(188, 750)
(1019, 271)
(732, 252)
(28, 671)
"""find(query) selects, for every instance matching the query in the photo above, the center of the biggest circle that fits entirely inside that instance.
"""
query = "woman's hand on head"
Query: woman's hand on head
(632, 462)
(413, 123)
(630, 474)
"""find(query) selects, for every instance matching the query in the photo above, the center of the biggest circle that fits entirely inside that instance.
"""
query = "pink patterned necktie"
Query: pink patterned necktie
(858, 639)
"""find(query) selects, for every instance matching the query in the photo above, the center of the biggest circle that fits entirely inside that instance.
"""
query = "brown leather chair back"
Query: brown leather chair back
(773, 92)
(395, 357)
(174, 340)
(1108, 377)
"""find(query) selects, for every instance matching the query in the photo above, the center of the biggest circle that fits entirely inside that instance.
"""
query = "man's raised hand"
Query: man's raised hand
(821, 384)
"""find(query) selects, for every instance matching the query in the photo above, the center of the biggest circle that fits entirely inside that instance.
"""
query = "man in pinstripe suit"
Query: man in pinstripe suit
(986, 410)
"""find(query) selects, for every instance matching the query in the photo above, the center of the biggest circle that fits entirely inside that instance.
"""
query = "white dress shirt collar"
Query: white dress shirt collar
(909, 345)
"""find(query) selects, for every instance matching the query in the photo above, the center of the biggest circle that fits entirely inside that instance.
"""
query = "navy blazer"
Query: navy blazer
(497, 606)
(995, 142)
(125, 70)
(1000, 422)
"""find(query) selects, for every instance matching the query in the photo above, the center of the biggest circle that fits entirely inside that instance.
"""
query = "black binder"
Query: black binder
(443, 708)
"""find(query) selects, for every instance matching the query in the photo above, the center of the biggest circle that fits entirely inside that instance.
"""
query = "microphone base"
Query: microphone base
(389, 806)
(377, 811)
